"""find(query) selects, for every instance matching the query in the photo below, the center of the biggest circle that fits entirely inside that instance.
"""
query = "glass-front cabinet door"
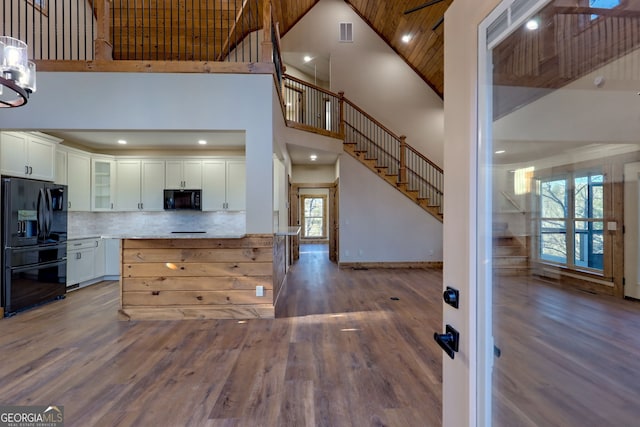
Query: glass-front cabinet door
(103, 180)
(558, 133)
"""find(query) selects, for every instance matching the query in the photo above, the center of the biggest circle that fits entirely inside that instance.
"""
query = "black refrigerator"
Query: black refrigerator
(34, 243)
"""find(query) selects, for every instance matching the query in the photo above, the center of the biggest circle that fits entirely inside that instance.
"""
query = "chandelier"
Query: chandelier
(17, 73)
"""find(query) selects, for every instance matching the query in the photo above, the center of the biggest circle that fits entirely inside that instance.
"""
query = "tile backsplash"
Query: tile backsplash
(81, 224)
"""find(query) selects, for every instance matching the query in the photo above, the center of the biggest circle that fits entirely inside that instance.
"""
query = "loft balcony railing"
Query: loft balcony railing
(68, 34)
(310, 107)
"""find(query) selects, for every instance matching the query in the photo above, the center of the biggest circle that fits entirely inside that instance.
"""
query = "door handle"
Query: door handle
(448, 341)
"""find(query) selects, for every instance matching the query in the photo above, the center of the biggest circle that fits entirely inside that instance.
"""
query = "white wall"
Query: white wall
(154, 101)
(379, 224)
(313, 174)
(401, 101)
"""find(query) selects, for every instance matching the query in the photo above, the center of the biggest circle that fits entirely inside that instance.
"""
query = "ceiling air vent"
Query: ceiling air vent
(346, 32)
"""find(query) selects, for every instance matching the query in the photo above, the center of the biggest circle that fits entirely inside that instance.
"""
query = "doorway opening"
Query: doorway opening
(314, 207)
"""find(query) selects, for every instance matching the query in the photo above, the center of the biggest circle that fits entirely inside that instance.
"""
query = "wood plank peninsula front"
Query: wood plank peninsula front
(192, 276)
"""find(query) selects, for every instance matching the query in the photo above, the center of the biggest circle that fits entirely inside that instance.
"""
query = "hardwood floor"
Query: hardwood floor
(568, 358)
(339, 353)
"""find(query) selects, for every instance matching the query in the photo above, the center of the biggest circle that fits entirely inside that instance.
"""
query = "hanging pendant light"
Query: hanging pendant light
(17, 73)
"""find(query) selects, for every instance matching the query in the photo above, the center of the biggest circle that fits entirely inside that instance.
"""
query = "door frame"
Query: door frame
(333, 210)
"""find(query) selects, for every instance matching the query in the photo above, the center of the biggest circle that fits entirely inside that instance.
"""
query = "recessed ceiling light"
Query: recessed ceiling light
(202, 142)
(406, 38)
(500, 151)
(307, 58)
(532, 24)
(122, 142)
(313, 157)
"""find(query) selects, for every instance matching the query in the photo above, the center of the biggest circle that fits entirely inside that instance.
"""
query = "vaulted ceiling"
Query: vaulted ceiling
(424, 53)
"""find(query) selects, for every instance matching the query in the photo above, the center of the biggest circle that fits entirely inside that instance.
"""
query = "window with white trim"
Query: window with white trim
(572, 220)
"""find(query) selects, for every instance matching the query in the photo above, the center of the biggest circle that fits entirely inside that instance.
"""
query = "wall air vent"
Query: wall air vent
(346, 32)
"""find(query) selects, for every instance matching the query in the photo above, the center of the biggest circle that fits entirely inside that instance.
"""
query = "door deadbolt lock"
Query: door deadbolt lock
(451, 296)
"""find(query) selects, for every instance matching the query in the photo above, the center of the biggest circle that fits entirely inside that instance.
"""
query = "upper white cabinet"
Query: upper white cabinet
(214, 196)
(152, 186)
(236, 185)
(223, 185)
(28, 155)
(183, 174)
(61, 167)
(128, 174)
(79, 181)
(103, 183)
(139, 185)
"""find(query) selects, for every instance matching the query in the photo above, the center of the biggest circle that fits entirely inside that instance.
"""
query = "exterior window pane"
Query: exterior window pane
(598, 202)
(581, 197)
(553, 247)
(313, 227)
(314, 213)
(598, 244)
(554, 198)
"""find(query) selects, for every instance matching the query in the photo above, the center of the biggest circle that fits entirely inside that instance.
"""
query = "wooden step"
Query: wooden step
(509, 250)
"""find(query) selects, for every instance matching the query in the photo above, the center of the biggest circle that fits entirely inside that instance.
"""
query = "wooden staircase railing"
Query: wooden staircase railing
(312, 108)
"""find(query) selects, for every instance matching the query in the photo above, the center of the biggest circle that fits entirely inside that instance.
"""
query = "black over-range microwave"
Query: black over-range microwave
(183, 199)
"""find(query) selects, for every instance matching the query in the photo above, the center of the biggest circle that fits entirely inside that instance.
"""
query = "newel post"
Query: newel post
(103, 47)
(267, 44)
(341, 112)
(403, 159)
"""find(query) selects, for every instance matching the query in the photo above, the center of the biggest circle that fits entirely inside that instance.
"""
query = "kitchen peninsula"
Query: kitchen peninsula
(197, 275)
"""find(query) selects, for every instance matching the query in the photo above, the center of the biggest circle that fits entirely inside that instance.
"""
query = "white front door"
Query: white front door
(534, 134)
(632, 230)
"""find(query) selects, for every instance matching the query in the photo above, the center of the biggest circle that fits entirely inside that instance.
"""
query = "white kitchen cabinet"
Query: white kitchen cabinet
(79, 181)
(152, 185)
(139, 185)
(99, 259)
(87, 261)
(103, 183)
(112, 258)
(128, 185)
(61, 167)
(183, 174)
(236, 185)
(214, 185)
(81, 261)
(28, 155)
(223, 185)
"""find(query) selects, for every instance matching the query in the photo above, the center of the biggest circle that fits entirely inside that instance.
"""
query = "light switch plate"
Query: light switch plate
(259, 291)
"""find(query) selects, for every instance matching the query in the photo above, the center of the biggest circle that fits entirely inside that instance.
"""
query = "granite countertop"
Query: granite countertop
(187, 234)
(178, 235)
(290, 231)
(87, 236)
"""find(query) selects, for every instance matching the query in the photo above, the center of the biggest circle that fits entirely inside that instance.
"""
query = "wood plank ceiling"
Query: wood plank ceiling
(424, 53)
(207, 29)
